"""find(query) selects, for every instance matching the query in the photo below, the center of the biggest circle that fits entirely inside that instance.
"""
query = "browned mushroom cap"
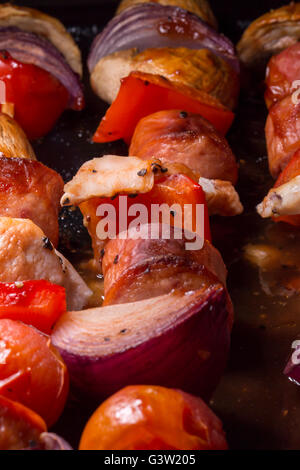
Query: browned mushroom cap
(13, 141)
(198, 7)
(269, 34)
(34, 21)
(200, 69)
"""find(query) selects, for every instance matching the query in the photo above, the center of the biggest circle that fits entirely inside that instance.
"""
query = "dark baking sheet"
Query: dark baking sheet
(259, 406)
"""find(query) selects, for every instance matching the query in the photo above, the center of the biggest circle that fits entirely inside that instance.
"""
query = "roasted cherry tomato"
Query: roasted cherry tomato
(143, 94)
(153, 418)
(172, 189)
(291, 171)
(37, 303)
(38, 97)
(31, 370)
(20, 426)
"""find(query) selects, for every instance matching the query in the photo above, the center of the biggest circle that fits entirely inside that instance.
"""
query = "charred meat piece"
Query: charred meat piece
(178, 136)
(30, 190)
(282, 133)
(139, 268)
(282, 72)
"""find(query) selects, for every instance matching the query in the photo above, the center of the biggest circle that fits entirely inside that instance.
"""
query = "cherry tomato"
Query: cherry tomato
(38, 97)
(31, 370)
(20, 426)
(37, 303)
(153, 418)
(143, 94)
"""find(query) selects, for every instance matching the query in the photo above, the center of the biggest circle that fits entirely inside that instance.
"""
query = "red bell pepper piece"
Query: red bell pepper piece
(36, 303)
(142, 94)
(171, 189)
(178, 189)
(38, 97)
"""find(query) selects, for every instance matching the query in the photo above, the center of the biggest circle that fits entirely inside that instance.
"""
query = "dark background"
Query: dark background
(257, 404)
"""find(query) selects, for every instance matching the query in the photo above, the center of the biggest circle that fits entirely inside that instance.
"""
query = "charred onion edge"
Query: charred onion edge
(138, 26)
(30, 48)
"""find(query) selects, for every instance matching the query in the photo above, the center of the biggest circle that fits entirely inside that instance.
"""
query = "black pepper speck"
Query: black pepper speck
(47, 244)
(183, 114)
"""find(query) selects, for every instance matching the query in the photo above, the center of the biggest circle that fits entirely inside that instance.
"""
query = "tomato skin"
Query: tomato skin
(38, 97)
(19, 425)
(37, 303)
(153, 418)
(31, 370)
(291, 171)
(138, 98)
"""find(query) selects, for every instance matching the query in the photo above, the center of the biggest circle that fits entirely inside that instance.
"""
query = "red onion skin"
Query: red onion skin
(191, 355)
(153, 25)
(50, 441)
(32, 49)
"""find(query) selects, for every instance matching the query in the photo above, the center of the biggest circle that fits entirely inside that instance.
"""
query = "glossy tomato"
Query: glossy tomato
(155, 418)
(20, 426)
(31, 370)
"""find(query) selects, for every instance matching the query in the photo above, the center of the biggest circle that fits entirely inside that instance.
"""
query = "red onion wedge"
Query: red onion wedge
(49, 441)
(153, 25)
(179, 340)
(30, 48)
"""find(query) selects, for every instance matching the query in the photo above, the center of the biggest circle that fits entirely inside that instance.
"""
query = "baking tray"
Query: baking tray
(258, 405)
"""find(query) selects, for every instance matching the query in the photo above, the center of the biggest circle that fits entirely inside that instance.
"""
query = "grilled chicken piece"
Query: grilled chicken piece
(200, 8)
(282, 200)
(30, 190)
(199, 69)
(34, 21)
(27, 254)
(221, 197)
(269, 34)
(13, 141)
(177, 136)
(282, 72)
(140, 268)
(282, 133)
(108, 176)
(282, 203)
